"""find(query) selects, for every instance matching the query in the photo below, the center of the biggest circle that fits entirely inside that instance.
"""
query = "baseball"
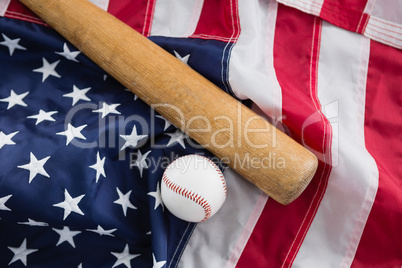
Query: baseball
(193, 188)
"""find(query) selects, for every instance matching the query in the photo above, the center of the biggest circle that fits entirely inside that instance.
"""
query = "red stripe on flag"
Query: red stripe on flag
(361, 27)
(136, 13)
(281, 229)
(16, 10)
(381, 242)
(316, 136)
(345, 13)
(219, 20)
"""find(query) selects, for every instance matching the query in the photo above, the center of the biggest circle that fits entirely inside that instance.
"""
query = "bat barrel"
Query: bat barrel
(265, 156)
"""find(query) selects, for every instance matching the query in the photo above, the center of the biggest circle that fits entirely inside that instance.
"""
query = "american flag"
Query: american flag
(81, 161)
(326, 72)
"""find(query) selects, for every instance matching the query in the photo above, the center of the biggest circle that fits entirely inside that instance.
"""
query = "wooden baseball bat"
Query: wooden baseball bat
(265, 156)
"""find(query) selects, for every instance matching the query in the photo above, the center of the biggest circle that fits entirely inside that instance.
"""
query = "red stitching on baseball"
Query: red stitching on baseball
(190, 195)
(194, 196)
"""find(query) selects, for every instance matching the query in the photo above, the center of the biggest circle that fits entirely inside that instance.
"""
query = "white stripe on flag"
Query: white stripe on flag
(369, 6)
(385, 22)
(337, 227)
(384, 31)
(251, 69)
(387, 10)
(224, 237)
(175, 18)
(4, 6)
(103, 4)
(219, 241)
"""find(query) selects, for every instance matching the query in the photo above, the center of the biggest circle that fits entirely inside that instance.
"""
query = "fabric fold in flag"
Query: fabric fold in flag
(378, 20)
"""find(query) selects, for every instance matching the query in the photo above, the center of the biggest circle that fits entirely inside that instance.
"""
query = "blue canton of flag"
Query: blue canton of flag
(81, 159)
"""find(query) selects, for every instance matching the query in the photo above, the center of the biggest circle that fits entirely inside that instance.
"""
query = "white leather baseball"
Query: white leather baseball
(193, 188)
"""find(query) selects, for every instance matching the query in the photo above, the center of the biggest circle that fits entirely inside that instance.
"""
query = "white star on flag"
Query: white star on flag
(66, 235)
(21, 253)
(5, 139)
(47, 69)
(72, 132)
(140, 162)
(70, 204)
(34, 223)
(12, 44)
(158, 264)
(99, 230)
(15, 99)
(68, 54)
(78, 94)
(3, 201)
(132, 139)
(124, 257)
(177, 136)
(167, 122)
(35, 167)
(157, 196)
(42, 116)
(182, 59)
(99, 166)
(108, 109)
(124, 201)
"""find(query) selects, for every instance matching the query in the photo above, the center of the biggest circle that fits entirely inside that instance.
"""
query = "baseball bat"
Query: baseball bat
(265, 156)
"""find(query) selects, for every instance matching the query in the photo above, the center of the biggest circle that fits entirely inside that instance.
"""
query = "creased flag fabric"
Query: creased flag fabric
(327, 73)
(378, 20)
(81, 161)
